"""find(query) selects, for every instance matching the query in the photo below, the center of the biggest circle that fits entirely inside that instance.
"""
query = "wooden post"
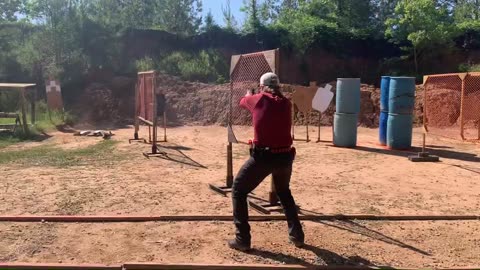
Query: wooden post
(293, 121)
(319, 125)
(32, 102)
(24, 111)
(462, 103)
(229, 180)
(154, 120)
(164, 125)
(137, 111)
(307, 118)
(272, 196)
(425, 107)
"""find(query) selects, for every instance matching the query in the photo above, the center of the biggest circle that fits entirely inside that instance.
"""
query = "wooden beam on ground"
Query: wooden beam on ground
(227, 218)
(39, 266)
(167, 266)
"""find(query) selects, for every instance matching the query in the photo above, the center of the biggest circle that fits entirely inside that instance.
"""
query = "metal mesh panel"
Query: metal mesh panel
(452, 105)
(471, 108)
(245, 76)
(145, 95)
(443, 97)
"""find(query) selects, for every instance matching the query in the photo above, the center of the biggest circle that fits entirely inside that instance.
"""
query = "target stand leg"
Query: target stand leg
(155, 152)
(224, 190)
(266, 207)
(136, 139)
(424, 156)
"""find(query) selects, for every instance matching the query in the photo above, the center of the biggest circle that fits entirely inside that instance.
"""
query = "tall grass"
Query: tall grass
(45, 121)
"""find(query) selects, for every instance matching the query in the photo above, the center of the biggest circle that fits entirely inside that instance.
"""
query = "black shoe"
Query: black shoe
(234, 244)
(298, 243)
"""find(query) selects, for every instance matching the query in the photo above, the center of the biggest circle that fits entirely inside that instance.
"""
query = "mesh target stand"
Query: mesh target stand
(452, 105)
(147, 108)
(245, 73)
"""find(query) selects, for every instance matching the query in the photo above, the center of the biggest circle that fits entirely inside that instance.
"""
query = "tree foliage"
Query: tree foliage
(70, 38)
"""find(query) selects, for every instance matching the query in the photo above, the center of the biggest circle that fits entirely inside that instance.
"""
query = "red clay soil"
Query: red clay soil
(194, 103)
(443, 107)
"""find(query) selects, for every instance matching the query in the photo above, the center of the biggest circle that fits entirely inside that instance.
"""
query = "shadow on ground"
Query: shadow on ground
(323, 257)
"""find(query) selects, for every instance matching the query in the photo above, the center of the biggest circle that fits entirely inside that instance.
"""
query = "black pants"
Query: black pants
(257, 168)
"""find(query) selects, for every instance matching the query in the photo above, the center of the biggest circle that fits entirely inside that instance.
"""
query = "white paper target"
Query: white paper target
(322, 98)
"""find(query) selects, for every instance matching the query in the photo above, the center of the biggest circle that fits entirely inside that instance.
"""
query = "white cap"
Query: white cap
(269, 79)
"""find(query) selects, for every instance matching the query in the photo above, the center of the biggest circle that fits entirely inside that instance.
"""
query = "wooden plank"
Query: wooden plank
(8, 115)
(147, 72)
(35, 266)
(165, 266)
(16, 85)
(228, 218)
(145, 121)
(24, 111)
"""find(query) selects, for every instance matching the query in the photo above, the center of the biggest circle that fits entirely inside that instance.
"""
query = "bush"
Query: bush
(145, 64)
(469, 68)
(204, 66)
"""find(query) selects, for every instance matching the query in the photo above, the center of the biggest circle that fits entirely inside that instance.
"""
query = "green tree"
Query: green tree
(423, 23)
(228, 17)
(179, 16)
(306, 22)
(252, 22)
(9, 8)
(382, 10)
(209, 23)
(467, 12)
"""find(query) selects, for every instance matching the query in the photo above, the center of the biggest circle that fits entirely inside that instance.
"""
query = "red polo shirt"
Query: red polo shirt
(272, 119)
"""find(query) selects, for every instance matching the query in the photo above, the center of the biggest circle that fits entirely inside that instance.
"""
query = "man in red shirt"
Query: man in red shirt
(272, 153)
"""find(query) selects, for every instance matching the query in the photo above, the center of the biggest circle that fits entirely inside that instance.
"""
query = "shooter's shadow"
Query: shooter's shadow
(323, 257)
(356, 228)
(172, 152)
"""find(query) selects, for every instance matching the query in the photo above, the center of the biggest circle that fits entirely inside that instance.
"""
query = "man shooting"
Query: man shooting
(271, 153)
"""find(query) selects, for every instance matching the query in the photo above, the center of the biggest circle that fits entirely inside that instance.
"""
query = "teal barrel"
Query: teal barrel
(345, 129)
(348, 95)
(384, 90)
(383, 128)
(401, 95)
(399, 131)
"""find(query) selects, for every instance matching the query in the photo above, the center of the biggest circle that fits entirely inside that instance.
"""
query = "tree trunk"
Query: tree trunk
(415, 59)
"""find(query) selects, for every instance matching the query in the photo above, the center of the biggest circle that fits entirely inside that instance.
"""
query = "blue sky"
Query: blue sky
(216, 7)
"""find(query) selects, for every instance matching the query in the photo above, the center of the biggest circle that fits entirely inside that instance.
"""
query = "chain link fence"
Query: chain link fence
(452, 105)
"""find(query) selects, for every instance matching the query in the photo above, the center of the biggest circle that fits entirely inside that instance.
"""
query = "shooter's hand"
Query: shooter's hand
(249, 93)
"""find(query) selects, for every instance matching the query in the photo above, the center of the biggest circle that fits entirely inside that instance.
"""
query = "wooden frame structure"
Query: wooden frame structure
(272, 58)
(146, 111)
(23, 89)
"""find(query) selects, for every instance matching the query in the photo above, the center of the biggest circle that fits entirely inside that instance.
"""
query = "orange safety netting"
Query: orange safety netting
(452, 105)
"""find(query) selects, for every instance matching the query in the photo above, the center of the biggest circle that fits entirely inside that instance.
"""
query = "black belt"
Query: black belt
(276, 150)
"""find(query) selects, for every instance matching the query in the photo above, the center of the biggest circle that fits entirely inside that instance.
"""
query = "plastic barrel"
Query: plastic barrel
(383, 127)
(401, 95)
(399, 131)
(348, 95)
(345, 129)
(384, 90)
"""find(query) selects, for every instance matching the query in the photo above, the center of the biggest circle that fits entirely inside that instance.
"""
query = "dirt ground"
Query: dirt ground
(326, 180)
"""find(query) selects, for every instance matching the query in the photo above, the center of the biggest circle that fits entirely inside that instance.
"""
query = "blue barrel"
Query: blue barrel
(383, 127)
(345, 129)
(401, 95)
(399, 131)
(384, 90)
(348, 95)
